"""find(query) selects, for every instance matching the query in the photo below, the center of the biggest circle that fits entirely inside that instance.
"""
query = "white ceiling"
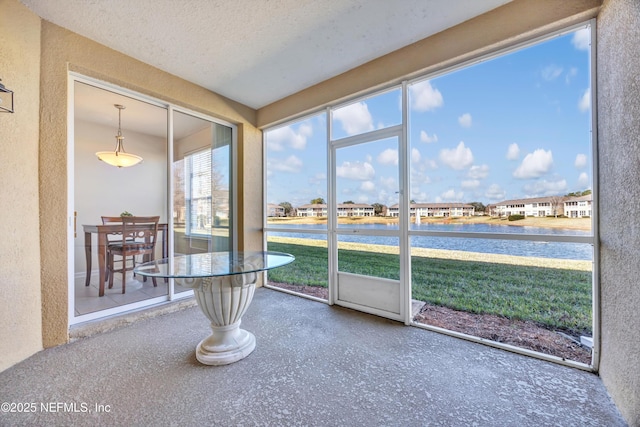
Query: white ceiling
(97, 105)
(257, 51)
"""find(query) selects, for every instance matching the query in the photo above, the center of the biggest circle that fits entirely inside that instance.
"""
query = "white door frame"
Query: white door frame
(385, 301)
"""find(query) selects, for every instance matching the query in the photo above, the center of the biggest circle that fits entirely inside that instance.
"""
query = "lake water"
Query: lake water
(576, 251)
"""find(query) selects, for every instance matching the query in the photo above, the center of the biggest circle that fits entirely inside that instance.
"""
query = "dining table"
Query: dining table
(223, 284)
(102, 231)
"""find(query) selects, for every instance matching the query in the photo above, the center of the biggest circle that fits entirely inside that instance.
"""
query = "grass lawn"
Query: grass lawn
(558, 299)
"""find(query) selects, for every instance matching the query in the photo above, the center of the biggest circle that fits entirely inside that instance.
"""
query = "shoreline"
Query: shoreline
(565, 264)
(583, 224)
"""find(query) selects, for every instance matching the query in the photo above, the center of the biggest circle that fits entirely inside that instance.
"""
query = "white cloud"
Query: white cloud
(420, 197)
(452, 196)
(278, 139)
(534, 164)
(471, 184)
(318, 178)
(465, 120)
(385, 198)
(573, 71)
(418, 178)
(551, 72)
(300, 141)
(424, 97)
(424, 137)
(388, 157)
(355, 118)
(583, 180)
(546, 188)
(361, 171)
(513, 152)
(415, 155)
(581, 39)
(291, 164)
(362, 198)
(581, 161)
(495, 192)
(478, 172)
(367, 186)
(585, 101)
(389, 183)
(457, 158)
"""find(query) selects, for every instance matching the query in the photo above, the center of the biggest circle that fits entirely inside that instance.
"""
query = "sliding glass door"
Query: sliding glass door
(202, 186)
(189, 186)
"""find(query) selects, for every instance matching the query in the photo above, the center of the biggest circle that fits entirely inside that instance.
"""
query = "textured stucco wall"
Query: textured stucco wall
(20, 321)
(250, 206)
(63, 51)
(618, 76)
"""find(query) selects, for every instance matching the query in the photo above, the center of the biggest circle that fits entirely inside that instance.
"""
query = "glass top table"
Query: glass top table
(223, 284)
(213, 264)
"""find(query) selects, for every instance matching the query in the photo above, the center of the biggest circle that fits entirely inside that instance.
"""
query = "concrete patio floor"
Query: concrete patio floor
(314, 365)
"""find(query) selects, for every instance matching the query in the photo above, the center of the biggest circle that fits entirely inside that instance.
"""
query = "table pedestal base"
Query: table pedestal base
(224, 300)
(227, 344)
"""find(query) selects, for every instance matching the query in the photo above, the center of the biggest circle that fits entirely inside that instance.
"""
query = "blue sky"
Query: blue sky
(515, 126)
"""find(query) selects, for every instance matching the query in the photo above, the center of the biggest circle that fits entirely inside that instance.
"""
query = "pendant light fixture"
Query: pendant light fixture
(119, 157)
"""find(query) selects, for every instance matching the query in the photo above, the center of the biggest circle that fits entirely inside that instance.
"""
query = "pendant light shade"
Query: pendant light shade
(119, 157)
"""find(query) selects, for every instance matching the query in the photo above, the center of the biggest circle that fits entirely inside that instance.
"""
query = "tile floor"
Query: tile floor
(88, 301)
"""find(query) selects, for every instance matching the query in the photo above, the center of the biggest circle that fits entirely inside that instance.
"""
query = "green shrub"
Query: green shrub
(515, 217)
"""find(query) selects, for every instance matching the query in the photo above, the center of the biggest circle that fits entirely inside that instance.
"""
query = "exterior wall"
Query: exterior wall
(275, 210)
(317, 210)
(436, 210)
(619, 163)
(250, 215)
(63, 51)
(20, 306)
(320, 210)
(348, 210)
(577, 207)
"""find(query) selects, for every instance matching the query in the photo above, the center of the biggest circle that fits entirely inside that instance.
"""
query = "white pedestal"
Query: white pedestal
(227, 344)
(224, 300)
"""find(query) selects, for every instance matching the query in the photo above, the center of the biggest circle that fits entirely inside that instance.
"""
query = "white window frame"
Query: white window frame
(406, 233)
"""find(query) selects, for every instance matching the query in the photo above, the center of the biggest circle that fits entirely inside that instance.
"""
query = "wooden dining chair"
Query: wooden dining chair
(137, 238)
(112, 238)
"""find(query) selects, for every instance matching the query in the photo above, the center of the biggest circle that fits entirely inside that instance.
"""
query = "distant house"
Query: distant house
(274, 210)
(575, 207)
(436, 210)
(312, 210)
(344, 210)
(355, 209)
(578, 207)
